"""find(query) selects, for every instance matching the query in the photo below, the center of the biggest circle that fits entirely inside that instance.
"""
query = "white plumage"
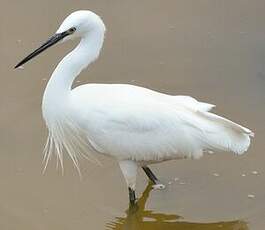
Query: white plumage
(130, 122)
(135, 125)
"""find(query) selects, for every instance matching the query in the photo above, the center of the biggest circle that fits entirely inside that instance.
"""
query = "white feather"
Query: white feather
(124, 121)
(130, 122)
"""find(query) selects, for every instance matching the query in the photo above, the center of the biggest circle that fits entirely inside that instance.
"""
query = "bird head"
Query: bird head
(80, 23)
(76, 25)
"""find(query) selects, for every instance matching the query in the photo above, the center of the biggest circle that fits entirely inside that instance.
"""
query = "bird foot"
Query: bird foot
(158, 186)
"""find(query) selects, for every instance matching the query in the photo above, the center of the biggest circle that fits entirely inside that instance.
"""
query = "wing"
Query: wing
(142, 132)
(131, 124)
(146, 133)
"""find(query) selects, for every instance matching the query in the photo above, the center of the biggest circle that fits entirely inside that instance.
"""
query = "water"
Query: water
(141, 218)
(210, 49)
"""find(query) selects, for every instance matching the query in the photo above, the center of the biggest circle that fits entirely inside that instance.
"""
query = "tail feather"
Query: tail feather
(223, 134)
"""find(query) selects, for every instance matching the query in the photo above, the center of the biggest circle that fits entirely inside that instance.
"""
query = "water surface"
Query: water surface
(210, 49)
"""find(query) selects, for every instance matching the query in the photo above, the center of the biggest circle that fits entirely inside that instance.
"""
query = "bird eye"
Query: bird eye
(72, 30)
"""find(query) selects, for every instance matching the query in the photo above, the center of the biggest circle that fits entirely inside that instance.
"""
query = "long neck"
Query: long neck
(59, 86)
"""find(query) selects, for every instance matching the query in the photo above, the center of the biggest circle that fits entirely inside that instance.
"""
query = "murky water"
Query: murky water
(210, 49)
(141, 218)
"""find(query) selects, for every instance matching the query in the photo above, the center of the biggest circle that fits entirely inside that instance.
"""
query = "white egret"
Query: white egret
(135, 125)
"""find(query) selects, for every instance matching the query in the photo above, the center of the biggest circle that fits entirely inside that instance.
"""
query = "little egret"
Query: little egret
(134, 125)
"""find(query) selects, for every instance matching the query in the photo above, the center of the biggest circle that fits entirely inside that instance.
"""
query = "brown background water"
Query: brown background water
(210, 49)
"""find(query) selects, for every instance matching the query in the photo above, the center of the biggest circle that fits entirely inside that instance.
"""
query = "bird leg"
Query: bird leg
(132, 197)
(150, 174)
(153, 178)
(129, 170)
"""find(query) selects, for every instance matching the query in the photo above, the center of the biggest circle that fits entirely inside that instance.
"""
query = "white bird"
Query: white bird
(134, 125)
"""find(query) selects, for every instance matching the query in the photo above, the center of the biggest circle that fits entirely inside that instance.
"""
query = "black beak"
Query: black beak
(51, 41)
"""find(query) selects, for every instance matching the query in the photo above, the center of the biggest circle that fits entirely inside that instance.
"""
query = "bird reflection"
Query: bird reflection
(137, 218)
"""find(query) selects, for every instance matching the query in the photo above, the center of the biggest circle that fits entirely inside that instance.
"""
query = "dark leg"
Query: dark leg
(132, 196)
(150, 174)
